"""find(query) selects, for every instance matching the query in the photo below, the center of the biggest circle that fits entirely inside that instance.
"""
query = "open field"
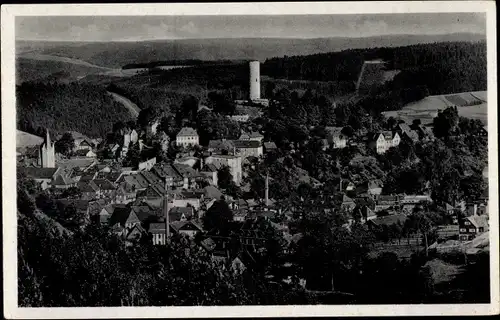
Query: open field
(470, 105)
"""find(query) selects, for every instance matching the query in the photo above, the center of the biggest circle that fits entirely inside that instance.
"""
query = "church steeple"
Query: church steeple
(47, 139)
(47, 153)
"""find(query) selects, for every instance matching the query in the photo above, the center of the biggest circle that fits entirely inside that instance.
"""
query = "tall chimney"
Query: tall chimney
(254, 80)
(165, 212)
(267, 190)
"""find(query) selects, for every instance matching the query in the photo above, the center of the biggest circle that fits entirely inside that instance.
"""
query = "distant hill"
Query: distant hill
(29, 69)
(118, 54)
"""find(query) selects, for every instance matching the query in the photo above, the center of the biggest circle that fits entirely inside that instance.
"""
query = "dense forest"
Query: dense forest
(80, 107)
(442, 67)
(425, 69)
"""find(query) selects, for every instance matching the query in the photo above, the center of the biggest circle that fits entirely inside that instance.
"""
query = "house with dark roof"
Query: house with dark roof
(254, 135)
(387, 220)
(124, 217)
(472, 226)
(125, 193)
(41, 175)
(88, 189)
(133, 235)
(106, 188)
(63, 181)
(270, 146)
(248, 148)
(188, 228)
(406, 132)
(221, 146)
(107, 211)
(180, 213)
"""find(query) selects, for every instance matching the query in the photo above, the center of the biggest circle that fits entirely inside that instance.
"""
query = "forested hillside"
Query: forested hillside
(46, 70)
(118, 54)
(67, 107)
(441, 67)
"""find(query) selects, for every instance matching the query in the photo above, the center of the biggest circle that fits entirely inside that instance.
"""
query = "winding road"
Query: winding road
(132, 107)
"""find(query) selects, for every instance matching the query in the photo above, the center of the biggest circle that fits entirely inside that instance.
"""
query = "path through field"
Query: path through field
(132, 107)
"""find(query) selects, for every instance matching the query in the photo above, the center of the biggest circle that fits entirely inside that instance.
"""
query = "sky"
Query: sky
(136, 28)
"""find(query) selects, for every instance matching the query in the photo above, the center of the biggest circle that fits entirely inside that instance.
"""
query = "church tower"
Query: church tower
(47, 153)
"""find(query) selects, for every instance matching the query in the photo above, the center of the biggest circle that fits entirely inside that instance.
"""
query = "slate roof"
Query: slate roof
(144, 212)
(63, 180)
(120, 215)
(136, 180)
(39, 173)
(246, 144)
(175, 213)
(96, 206)
(212, 192)
(478, 221)
(221, 144)
(104, 184)
(187, 132)
(270, 145)
(253, 134)
(166, 170)
(180, 225)
(89, 186)
(389, 220)
(186, 171)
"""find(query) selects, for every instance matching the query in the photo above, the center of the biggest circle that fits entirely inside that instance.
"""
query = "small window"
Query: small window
(463, 230)
(467, 223)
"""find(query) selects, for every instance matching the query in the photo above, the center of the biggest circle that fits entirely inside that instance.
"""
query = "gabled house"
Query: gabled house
(270, 146)
(248, 148)
(89, 190)
(63, 181)
(387, 202)
(44, 176)
(187, 198)
(383, 141)
(472, 226)
(180, 213)
(254, 135)
(187, 137)
(221, 146)
(125, 193)
(106, 188)
(124, 217)
(107, 211)
(188, 228)
(405, 132)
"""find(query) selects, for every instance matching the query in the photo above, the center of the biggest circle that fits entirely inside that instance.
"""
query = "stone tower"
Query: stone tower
(47, 155)
(254, 80)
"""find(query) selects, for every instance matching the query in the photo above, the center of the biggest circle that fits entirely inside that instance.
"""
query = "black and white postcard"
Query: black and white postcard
(249, 159)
